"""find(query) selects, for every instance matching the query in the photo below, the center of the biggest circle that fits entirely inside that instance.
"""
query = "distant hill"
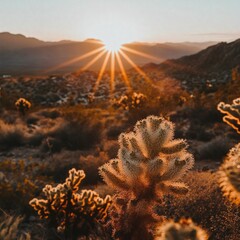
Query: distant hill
(23, 55)
(217, 58)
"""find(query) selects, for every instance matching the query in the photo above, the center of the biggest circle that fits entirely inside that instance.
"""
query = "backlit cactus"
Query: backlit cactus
(232, 112)
(229, 173)
(22, 105)
(131, 101)
(66, 208)
(150, 162)
(185, 229)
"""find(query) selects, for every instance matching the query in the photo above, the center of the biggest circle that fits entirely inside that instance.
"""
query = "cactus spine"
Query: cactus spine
(150, 163)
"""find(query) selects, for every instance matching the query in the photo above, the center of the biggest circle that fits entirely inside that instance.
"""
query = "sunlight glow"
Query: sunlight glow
(112, 46)
(112, 52)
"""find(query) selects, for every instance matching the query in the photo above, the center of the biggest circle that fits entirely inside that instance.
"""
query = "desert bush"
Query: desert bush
(229, 175)
(58, 164)
(215, 149)
(50, 113)
(90, 165)
(75, 135)
(150, 164)
(9, 228)
(19, 183)
(71, 212)
(78, 128)
(11, 135)
(70, 132)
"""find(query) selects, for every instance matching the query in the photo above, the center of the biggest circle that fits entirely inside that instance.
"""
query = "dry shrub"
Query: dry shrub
(20, 181)
(57, 166)
(110, 147)
(90, 165)
(215, 149)
(50, 113)
(10, 228)
(11, 135)
(77, 128)
(206, 206)
(75, 134)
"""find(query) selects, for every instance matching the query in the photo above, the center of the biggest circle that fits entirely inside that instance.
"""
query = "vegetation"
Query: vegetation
(184, 229)
(71, 212)
(153, 193)
(230, 175)
(22, 105)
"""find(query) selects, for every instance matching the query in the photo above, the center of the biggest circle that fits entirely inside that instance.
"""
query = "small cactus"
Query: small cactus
(66, 209)
(185, 229)
(22, 105)
(229, 173)
(232, 112)
(131, 101)
(150, 164)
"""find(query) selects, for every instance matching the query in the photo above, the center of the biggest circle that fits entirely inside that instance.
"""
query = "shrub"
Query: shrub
(9, 228)
(20, 181)
(215, 149)
(11, 135)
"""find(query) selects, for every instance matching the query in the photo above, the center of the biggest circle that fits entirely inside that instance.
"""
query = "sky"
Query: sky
(123, 20)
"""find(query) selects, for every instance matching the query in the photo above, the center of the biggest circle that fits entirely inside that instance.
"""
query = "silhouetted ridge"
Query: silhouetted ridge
(220, 57)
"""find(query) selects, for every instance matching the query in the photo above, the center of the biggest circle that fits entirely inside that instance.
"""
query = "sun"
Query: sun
(112, 46)
(113, 52)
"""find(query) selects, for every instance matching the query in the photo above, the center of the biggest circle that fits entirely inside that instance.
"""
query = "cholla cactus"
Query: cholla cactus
(232, 112)
(22, 105)
(9, 228)
(229, 174)
(150, 163)
(131, 101)
(66, 208)
(184, 229)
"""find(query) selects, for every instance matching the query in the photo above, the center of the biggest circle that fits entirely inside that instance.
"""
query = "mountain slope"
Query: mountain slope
(21, 55)
(218, 58)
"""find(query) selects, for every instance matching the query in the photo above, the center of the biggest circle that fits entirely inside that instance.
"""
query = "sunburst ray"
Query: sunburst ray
(112, 78)
(101, 72)
(77, 59)
(89, 64)
(135, 66)
(125, 77)
(139, 53)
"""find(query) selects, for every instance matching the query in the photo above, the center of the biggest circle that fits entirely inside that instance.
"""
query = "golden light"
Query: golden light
(112, 45)
(113, 52)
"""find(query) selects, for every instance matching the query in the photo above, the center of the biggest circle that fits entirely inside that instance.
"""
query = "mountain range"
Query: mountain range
(24, 55)
(218, 58)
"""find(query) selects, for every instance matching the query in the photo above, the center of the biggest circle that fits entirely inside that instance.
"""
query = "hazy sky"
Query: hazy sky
(123, 20)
